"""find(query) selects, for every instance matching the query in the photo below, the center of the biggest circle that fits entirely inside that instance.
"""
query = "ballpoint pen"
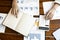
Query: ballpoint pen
(43, 28)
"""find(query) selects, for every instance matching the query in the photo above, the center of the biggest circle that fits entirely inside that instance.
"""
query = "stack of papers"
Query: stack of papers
(2, 17)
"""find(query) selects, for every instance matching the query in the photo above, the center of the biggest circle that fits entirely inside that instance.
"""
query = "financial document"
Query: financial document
(2, 27)
(36, 34)
(29, 6)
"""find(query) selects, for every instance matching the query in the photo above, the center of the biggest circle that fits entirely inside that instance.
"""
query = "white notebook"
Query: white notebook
(22, 24)
(50, 4)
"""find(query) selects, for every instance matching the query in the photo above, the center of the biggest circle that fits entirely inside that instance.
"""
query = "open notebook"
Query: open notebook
(22, 24)
(47, 8)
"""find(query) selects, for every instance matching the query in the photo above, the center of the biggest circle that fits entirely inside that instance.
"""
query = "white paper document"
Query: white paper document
(22, 24)
(29, 6)
(47, 6)
(44, 24)
(57, 34)
(2, 17)
(36, 34)
(2, 29)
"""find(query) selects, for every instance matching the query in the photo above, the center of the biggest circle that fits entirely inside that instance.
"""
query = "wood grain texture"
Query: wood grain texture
(10, 37)
(5, 5)
(50, 38)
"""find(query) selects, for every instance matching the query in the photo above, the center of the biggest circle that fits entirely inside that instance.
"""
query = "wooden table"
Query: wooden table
(9, 34)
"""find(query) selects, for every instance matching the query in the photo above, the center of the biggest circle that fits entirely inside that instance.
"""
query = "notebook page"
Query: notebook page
(11, 21)
(25, 24)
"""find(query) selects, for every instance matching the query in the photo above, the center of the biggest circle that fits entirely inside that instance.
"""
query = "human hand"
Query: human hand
(50, 13)
(15, 8)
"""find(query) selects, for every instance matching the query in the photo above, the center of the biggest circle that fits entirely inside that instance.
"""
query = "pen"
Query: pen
(43, 28)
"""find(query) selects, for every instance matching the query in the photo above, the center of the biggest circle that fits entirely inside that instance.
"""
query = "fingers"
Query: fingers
(49, 15)
(14, 12)
(14, 9)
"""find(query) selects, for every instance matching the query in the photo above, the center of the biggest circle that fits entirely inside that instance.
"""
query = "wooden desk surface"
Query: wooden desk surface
(9, 34)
